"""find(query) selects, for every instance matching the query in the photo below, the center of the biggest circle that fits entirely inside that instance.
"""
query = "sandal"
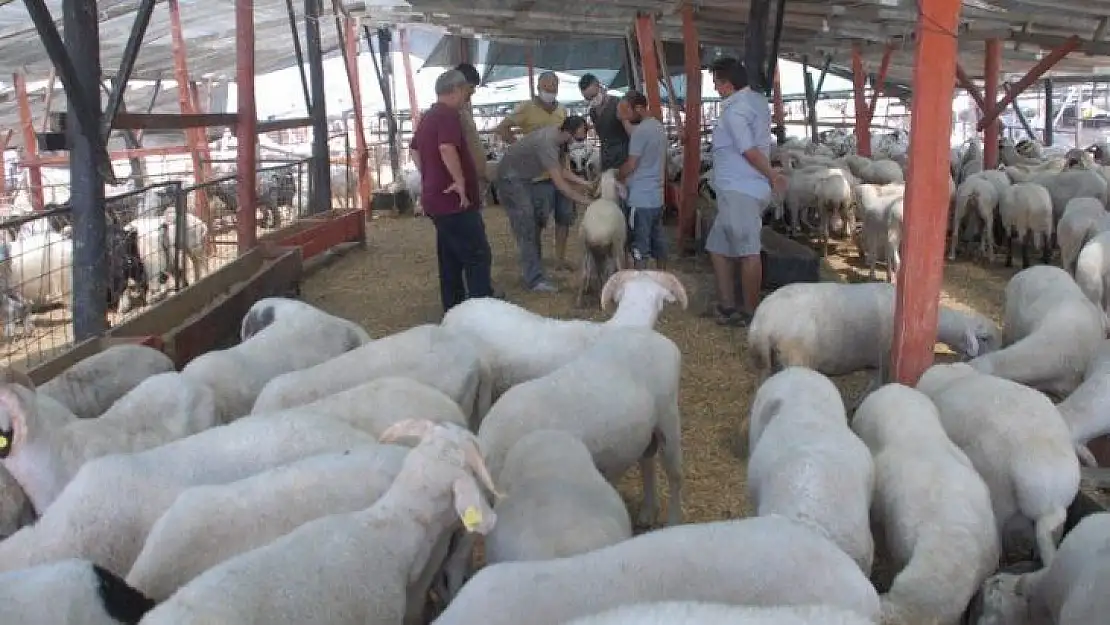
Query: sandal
(732, 318)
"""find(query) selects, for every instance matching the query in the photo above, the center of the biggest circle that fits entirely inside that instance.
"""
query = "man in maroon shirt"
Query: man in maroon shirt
(450, 196)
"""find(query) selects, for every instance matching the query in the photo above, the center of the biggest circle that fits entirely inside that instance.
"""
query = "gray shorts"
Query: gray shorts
(736, 230)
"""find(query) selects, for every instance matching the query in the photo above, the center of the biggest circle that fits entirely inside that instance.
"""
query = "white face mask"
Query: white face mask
(547, 97)
(597, 100)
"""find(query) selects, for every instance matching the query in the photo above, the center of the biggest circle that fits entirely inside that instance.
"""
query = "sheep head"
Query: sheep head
(16, 402)
(608, 186)
(450, 441)
(1000, 601)
(672, 289)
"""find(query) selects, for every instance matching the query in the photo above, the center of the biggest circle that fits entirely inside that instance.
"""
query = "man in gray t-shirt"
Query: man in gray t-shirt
(643, 174)
(531, 156)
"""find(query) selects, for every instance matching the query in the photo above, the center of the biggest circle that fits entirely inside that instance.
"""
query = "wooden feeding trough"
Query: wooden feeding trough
(319, 233)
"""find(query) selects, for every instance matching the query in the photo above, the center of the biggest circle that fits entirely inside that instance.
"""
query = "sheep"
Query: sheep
(1016, 440)
(807, 465)
(977, 198)
(700, 613)
(837, 329)
(1083, 219)
(16, 510)
(523, 346)
(207, 525)
(604, 233)
(933, 509)
(70, 592)
(1071, 591)
(1063, 186)
(877, 203)
(1025, 210)
(879, 171)
(85, 523)
(753, 561)
(1084, 410)
(429, 354)
(394, 399)
(43, 454)
(1092, 270)
(834, 200)
(356, 568)
(557, 504)
(1051, 332)
(89, 387)
(278, 335)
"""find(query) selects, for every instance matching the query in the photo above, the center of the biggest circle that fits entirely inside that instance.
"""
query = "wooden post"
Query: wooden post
(30, 144)
(926, 211)
(645, 37)
(246, 127)
(991, 74)
(691, 141)
(361, 154)
(193, 136)
(859, 79)
(414, 104)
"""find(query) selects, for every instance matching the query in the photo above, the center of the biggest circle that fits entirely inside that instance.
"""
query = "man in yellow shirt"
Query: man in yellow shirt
(544, 111)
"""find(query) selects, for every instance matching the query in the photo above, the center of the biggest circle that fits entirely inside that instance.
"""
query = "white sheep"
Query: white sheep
(556, 502)
(837, 329)
(1018, 443)
(392, 398)
(43, 454)
(16, 510)
(278, 335)
(1084, 410)
(1070, 591)
(70, 592)
(354, 568)
(807, 465)
(91, 520)
(835, 205)
(933, 509)
(89, 387)
(604, 232)
(429, 354)
(210, 524)
(878, 171)
(1065, 185)
(976, 200)
(754, 561)
(701, 613)
(1025, 211)
(877, 203)
(1092, 270)
(1051, 331)
(522, 345)
(1083, 219)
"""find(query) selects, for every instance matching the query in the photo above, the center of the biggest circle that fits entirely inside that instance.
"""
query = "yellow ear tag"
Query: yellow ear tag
(471, 518)
(3, 442)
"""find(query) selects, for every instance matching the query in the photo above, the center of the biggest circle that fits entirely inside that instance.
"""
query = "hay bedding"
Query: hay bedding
(393, 286)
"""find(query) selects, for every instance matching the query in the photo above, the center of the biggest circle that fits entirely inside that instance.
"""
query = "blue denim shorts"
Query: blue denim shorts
(548, 200)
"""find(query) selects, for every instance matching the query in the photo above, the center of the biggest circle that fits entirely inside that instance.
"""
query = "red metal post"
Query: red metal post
(30, 144)
(863, 126)
(356, 102)
(877, 86)
(926, 211)
(173, 150)
(245, 131)
(1030, 77)
(530, 59)
(194, 137)
(691, 142)
(414, 104)
(991, 70)
(776, 98)
(645, 37)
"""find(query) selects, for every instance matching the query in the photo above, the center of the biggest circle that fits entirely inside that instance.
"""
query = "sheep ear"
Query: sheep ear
(477, 464)
(14, 376)
(614, 288)
(414, 428)
(11, 404)
(972, 342)
(671, 283)
(475, 513)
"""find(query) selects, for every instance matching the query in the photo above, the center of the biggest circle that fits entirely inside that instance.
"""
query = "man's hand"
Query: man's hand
(461, 191)
(779, 183)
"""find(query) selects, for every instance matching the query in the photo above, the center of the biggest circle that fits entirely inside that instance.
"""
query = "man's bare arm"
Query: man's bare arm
(451, 160)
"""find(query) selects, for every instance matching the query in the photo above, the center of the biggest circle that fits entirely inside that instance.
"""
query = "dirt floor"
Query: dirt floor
(393, 286)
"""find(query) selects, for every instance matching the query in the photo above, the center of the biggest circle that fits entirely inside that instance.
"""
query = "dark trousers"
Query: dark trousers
(464, 257)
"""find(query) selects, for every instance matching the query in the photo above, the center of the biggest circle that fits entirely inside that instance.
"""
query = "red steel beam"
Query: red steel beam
(1030, 77)
(181, 77)
(171, 121)
(645, 37)
(246, 162)
(115, 155)
(361, 152)
(691, 141)
(863, 126)
(992, 70)
(30, 144)
(877, 86)
(414, 104)
(921, 273)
